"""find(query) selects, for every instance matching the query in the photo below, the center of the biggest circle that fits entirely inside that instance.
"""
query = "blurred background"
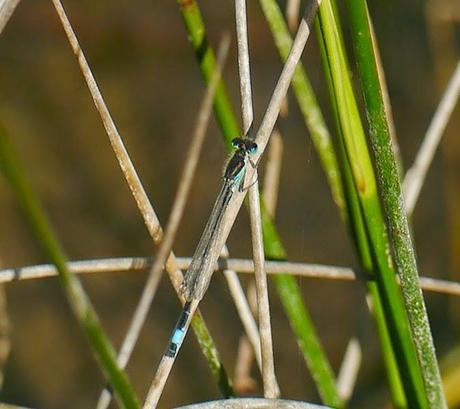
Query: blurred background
(147, 72)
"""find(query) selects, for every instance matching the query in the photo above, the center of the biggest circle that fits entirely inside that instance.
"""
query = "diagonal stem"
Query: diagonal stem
(150, 218)
(415, 176)
(172, 226)
(7, 8)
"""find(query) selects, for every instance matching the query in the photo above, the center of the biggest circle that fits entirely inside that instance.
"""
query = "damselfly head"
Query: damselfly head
(246, 144)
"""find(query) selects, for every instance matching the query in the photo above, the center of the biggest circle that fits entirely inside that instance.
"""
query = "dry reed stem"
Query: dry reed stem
(415, 176)
(348, 374)
(244, 66)
(143, 203)
(164, 369)
(292, 14)
(244, 310)
(243, 382)
(7, 8)
(270, 193)
(10, 406)
(273, 173)
(271, 388)
(183, 190)
(245, 266)
(254, 403)
(244, 358)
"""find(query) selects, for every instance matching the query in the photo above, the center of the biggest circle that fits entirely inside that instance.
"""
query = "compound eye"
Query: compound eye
(237, 142)
(252, 147)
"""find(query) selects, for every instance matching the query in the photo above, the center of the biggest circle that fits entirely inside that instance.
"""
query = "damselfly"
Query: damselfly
(198, 275)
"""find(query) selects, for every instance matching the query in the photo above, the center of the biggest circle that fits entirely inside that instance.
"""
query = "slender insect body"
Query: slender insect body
(199, 273)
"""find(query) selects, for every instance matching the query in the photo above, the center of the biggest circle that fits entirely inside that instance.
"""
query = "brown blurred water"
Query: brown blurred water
(146, 70)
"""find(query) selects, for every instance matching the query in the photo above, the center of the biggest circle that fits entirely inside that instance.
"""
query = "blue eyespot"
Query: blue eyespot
(252, 148)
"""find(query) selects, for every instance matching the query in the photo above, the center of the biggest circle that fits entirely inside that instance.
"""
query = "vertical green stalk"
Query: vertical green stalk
(346, 198)
(393, 202)
(365, 183)
(78, 300)
(286, 285)
(360, 237)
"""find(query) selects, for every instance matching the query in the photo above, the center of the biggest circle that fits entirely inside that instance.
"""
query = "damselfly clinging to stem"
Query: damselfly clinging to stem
(198, 275)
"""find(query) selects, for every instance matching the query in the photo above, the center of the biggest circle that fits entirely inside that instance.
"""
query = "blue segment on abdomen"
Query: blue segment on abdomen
(178, 336)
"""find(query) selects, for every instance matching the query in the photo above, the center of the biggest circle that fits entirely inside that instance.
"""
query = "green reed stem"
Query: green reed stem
(78, 300)
(364, 179)
(390, 191)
